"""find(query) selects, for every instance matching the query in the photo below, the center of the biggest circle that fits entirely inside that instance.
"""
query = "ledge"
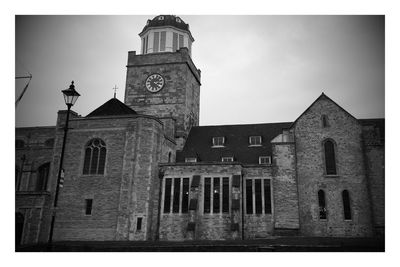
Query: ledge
(32, 193)
(331, 175)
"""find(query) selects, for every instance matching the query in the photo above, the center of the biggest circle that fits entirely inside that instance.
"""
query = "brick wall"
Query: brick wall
(125, 191)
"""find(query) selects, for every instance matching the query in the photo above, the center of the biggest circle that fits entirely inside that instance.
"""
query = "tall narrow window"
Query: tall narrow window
(88, 206)
(346, 205)
(216, 194)
(139, 223)
(185, 195)
(207, 194)
(257, 188)
(177, 190)
(324, 121)
(225, 194)
(42, 177)
(330, 161)
(156, 42)
(143, 45)
(167, 195)
(163, 41)
(249, 196)
(322, 205)
(95, 157)
(267, 196)
(146, 44)
(174, 42)
(180, 40)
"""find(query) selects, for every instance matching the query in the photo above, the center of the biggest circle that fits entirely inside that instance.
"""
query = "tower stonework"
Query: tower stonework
(178, 98)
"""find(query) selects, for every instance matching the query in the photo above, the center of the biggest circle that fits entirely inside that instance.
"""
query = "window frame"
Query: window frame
(324, 207)
(87, 201)
(324, 155)
(102, 144)
(256, 138)
(264, 157)
(213, 208)
(172, 198)
(349, 205)
(253, 198)
(215, 138)
(227, 159)
(190, 160)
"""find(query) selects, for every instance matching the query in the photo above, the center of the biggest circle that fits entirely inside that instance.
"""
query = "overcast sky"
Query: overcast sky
(255, 69)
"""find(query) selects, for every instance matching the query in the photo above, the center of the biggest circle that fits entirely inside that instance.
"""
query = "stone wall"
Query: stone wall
(34, 205)
(174, 226)
(374, 150)
(180, 96)
(345, 131)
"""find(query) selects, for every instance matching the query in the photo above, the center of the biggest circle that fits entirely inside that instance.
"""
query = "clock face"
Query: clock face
(154, 83)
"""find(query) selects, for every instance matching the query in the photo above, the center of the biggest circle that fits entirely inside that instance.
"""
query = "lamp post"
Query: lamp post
(70, 97)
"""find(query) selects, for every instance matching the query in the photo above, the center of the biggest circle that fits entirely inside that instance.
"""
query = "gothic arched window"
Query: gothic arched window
(42, 177)
(330, 159)
(346, 205)
(322, 204)
(95, 157)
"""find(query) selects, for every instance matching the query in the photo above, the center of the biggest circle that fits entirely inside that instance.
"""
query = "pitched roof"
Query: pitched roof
(315, 101)
(111, 108)
(199, 142)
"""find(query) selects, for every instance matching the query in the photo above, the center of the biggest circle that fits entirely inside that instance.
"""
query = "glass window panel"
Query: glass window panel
(167, 195)
(207, 195)
(177, 190)
(185, 195)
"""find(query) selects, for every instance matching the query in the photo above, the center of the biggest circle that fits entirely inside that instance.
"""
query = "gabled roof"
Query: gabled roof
(199, 142)
(111, 108)
(316, 100)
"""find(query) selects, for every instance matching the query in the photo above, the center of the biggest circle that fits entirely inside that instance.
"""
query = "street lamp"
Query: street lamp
(70, 97)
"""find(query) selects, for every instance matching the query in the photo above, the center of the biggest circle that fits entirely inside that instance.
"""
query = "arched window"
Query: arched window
(322, 204)
(42, 177)
(346, 205)
(330, 160)
(95, 157)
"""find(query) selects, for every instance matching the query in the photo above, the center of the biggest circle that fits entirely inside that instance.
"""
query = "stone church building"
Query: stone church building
(144, 169)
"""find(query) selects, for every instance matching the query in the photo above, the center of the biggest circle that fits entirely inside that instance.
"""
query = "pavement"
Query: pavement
(273, 244)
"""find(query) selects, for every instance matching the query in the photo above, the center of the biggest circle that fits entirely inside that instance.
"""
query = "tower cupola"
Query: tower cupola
(165, 33)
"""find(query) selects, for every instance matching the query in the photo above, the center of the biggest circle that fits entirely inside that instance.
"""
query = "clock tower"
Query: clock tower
(163, 81)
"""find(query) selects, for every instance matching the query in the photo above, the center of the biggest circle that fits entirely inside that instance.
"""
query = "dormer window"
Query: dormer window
(227, 159)
(265, 160)
(218, 141)
(161, 18)
(255, 140)
(190, 160)
(178, 20)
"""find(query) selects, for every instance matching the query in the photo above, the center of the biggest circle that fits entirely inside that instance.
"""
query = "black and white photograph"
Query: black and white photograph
(199, 133)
